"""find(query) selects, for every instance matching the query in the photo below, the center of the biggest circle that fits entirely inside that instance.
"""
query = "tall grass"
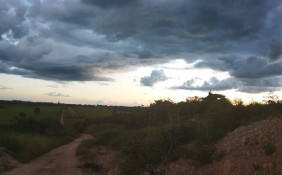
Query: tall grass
(27, 146)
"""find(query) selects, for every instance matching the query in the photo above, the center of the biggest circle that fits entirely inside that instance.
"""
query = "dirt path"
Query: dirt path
(60, 161)
(62, 116)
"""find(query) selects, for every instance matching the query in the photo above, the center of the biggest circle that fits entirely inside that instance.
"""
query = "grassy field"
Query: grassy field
(8, 114)
(144, 136)
(28, 131)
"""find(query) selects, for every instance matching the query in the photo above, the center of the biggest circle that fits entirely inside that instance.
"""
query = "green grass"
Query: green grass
(27, 146)
(28, 136)
(7, 115)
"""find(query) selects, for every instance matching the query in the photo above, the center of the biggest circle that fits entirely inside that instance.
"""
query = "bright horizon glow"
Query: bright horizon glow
(125, 90)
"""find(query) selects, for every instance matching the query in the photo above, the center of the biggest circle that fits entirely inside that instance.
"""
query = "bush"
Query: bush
(268, 146)
(202, 153)
(182, 133)
(37, 110)
(147, 148)
(47, 127)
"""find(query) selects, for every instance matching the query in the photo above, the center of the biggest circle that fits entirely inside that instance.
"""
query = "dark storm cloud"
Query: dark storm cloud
(240, 67)
(155, 77)
(76, 40)
(108, 3)
(275, 50)
(260, 84)
(12, 14)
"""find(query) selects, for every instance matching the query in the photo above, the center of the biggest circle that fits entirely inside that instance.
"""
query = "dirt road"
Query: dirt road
(62, 116)
(60, 161)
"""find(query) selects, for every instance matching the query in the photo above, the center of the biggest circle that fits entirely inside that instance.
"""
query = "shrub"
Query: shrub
(203, 153)
(37, 110)
(22, 114)
(47, 127)
(268, 146)
(147, 148)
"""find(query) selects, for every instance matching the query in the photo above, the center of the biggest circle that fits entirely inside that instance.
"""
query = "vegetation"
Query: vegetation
(268, 146)
(28, 131)
(145, 136)
(83, 151)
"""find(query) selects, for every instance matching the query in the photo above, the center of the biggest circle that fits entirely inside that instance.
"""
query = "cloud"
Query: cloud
(155, 77)
(12, 18)
(240, 67)
(83, 40)
(4, 87)
(108, 3)
(213, 84)
(53, 86)
(260, 85)
(56, 94)
(275, 50)
(248, 85)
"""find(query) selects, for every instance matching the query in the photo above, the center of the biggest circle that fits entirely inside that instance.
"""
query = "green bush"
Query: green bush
(147, 148)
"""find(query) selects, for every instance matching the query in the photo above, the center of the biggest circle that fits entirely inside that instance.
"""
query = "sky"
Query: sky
(132, 52)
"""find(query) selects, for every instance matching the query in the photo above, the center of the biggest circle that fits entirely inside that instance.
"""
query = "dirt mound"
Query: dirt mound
(107, 159)
(248, 150)
(253, 149)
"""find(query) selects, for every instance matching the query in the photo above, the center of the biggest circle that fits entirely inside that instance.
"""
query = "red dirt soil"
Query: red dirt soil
(242, 152)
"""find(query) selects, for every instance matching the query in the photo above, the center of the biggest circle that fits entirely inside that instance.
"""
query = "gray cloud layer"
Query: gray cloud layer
(77, 40)
(212, 84)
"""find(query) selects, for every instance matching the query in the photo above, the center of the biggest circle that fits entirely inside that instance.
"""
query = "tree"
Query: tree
(272, 98)
(37, 110)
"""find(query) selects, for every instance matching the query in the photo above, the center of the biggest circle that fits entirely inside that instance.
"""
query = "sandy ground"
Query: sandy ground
(60, 161)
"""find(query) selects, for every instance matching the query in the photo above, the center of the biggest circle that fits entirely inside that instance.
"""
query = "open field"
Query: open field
(8, 114)
(28, 131)
(139, 139)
